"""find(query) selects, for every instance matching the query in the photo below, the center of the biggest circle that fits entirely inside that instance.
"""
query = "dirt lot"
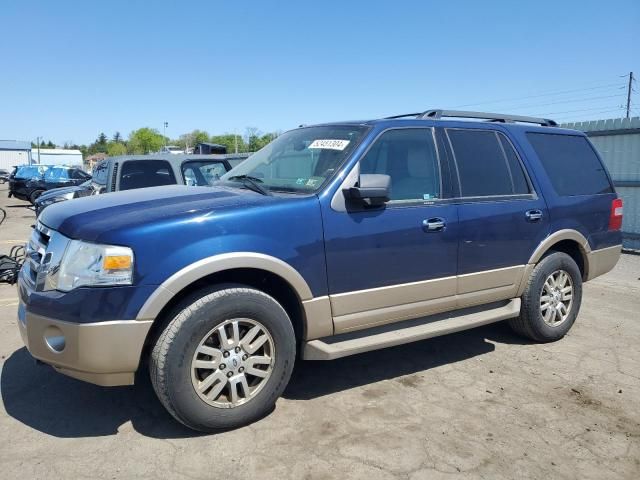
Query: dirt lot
(478, 404)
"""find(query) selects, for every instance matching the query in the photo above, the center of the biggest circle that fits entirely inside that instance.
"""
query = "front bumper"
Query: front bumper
(104, 353)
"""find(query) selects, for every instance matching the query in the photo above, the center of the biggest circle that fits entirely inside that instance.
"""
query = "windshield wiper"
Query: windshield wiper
(252, 183)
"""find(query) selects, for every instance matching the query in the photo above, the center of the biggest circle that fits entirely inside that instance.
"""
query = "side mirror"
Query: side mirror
(372, 190)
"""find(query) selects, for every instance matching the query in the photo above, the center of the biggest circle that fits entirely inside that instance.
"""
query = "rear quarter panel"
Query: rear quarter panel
(587, 214)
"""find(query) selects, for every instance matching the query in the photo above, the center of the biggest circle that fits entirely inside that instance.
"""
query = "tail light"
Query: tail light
(615, 218)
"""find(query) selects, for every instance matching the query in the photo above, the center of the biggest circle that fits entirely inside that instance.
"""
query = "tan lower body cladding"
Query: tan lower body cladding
(378, 306)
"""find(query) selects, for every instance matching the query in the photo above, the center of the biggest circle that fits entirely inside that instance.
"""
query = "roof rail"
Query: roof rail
(403, 115)
(493, 117)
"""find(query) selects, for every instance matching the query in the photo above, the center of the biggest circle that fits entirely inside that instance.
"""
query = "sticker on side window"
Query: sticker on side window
(329, 144)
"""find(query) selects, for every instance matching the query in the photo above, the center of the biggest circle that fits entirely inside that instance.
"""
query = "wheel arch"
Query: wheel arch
(268, 274)
(571, 242)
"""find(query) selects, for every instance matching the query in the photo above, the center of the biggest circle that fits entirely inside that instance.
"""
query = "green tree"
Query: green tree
(116, 148)
(50, 144)
(229, 140)
(145, 140)
(117, 138)
(190, 139)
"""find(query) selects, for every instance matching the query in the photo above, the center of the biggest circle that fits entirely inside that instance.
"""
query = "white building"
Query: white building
(56, 156)
(14, 153)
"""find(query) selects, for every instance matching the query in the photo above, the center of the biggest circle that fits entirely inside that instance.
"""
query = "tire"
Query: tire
(184, 390)
(538, 293)
(34, 196)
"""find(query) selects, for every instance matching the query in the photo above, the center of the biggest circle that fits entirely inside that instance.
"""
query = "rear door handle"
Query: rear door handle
(435, 224)
(533, 215)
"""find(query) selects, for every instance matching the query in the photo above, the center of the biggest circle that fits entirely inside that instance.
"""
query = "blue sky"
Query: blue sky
(71, 69)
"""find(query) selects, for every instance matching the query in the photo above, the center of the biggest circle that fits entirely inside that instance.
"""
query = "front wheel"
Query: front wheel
(35, 195)
(551, 300)
(224, 360)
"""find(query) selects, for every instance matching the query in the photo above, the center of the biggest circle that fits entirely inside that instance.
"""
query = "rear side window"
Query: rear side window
(571, 164)
(487, 164)
(202, 173)
(146, 173)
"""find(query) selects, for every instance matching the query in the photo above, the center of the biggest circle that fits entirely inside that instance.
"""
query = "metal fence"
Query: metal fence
(618, 141)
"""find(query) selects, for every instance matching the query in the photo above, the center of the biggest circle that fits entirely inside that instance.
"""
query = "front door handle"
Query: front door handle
(435, 224)
(533, 215)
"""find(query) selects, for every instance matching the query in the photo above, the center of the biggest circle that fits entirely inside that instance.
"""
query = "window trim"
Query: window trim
(532, 195)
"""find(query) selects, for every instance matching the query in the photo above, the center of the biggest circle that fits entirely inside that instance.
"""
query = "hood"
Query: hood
(87, 218)
(55, 192)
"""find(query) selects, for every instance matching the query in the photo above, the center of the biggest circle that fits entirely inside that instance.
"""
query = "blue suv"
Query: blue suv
(333, 240)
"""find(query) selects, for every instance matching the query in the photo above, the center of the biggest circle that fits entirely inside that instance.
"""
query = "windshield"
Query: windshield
(301, 160)
(202, 172)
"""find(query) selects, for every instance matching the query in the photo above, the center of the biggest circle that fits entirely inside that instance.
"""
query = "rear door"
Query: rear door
(501, 217)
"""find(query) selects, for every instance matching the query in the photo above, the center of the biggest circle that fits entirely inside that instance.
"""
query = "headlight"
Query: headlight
(89, 264)
(58, 198)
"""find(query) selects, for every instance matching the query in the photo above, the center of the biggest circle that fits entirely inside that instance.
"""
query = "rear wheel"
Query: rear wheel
(223, 361)
(34, 195)
(551, 300)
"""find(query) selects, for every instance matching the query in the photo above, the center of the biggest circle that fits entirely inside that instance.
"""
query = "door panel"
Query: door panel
(398, 261)
(502, 219)
(499, 234)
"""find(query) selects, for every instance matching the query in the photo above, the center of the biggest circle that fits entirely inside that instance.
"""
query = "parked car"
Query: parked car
(4, 175)
(172, 149)
(333, 240)
(28, 182)
(139, 171)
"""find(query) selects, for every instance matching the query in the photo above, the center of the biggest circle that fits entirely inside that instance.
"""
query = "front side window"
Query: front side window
(487, 164)
(202, 173)
(571, 164)
(410, 158)
(146, 173)
(300, 161)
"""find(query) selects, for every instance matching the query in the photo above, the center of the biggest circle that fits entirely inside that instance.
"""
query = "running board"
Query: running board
(330, 348)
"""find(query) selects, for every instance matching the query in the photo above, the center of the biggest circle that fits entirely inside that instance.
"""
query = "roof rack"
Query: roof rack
(492, 117)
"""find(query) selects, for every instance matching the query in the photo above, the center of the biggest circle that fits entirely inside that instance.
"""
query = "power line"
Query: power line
(573, 111)
(546, 94)
(582, 99)
(566, 118)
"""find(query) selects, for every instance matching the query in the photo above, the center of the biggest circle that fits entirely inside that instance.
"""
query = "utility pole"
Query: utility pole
(164, 133)
(629, 93)
(38, 141)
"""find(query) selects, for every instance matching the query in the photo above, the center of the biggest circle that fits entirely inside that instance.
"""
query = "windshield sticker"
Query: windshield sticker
(330, 144)
(312, 182)
(301, 181)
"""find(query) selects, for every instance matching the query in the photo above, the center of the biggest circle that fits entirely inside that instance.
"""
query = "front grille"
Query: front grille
(35, 252)
(114, 177)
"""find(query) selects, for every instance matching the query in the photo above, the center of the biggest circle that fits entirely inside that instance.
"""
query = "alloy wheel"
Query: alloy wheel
(232, 363)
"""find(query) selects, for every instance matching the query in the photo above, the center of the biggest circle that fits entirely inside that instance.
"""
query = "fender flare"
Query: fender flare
(559, 236)
(218, 263)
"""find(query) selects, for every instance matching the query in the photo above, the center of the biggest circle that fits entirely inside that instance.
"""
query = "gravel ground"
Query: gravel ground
(477, 404)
